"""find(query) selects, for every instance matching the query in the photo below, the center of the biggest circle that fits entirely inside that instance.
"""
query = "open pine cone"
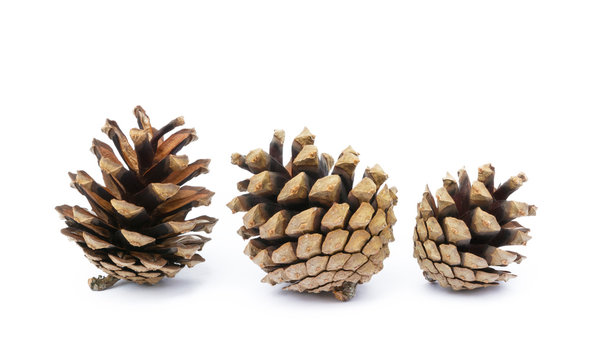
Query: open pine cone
(137, 229)
(458, 238)
(309, 229)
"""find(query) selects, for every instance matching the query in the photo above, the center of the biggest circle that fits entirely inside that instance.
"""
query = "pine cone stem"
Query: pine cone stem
(101, 282)
(345, 292)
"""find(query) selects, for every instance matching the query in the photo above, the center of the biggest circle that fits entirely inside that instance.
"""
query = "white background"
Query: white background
(420, 87)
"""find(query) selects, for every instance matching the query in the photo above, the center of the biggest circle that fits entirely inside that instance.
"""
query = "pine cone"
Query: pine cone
(458, 239)
(313, 230)
(137, 229)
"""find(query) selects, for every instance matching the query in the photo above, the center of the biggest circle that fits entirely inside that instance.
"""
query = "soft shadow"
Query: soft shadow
(165, 288)
(319, 298)
(326, 297)
(487, 291)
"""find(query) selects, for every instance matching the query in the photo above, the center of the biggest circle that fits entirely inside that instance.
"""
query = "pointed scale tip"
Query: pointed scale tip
(449, 176)
(305, 134)
(532, 210)
(237, 159)
(279, 134)
(349, 150)
(106, 127)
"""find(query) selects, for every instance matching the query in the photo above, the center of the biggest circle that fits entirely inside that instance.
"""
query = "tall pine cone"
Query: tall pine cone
(137, 229)
(457, 240)
(311, 229)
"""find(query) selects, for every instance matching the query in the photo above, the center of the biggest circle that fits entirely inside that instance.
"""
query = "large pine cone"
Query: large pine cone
(137, 229)
(310, 229)
(458, 238)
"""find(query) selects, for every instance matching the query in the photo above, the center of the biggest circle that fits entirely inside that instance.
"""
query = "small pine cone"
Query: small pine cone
(457, 239)
(307, 224)
(137, 229)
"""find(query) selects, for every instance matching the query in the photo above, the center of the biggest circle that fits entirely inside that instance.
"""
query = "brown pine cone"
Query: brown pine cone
(457, 239)
(307, 224)
(137, 229)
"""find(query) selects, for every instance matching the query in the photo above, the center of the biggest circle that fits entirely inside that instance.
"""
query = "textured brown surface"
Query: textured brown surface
(136, 229)
(459, 232)
(307, 224)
